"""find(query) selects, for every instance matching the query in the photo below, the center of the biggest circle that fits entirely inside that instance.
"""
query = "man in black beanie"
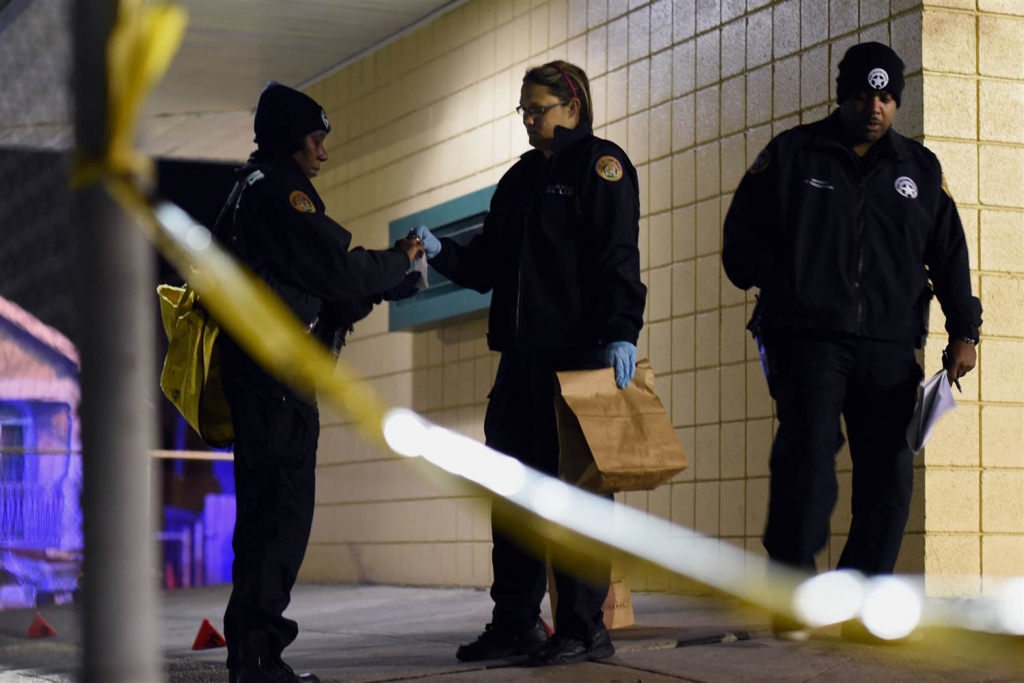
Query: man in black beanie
(274, 222)
(841, 224)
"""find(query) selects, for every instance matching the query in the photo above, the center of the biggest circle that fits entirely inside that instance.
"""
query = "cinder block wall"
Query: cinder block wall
(973, 60)
(692, 89)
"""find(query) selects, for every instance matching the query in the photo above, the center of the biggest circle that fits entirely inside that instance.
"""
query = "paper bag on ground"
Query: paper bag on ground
(617, 609)
(614, 439)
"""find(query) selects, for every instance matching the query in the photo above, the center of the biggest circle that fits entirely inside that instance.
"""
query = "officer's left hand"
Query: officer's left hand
(621, 355)
(962, 359)
(412, 246)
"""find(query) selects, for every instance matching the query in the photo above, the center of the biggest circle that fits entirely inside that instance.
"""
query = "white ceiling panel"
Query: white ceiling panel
(233, 47)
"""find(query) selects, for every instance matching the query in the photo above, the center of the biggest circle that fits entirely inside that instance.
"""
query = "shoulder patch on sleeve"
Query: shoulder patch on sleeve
(762, 162)
(609, 168)
(301, 202)
(945, 187)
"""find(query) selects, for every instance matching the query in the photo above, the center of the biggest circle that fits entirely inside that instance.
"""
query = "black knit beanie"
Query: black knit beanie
(870, 66)
(285, 116)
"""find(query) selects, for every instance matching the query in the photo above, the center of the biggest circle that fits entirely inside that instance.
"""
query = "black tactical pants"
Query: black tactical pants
(815, 378)
(520, 422)
(275, 462)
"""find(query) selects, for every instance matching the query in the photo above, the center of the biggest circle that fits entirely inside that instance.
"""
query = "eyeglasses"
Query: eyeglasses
(536, 112)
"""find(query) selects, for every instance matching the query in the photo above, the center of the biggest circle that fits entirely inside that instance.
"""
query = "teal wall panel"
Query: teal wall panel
(444, 301)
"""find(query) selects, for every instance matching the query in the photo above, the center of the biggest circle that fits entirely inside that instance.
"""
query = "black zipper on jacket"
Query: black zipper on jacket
(522, 243)
(522, 254)
(519, 283)
(876, 165)
(860, 250)
(863, 174)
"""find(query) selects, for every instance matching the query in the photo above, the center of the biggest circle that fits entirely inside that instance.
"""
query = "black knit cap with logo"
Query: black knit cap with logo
(284, 116)
(870, 66)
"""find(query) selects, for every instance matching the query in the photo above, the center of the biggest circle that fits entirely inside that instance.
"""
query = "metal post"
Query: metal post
(115, 301)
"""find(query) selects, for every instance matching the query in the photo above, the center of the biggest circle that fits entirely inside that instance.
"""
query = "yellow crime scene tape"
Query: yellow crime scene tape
(532, 505)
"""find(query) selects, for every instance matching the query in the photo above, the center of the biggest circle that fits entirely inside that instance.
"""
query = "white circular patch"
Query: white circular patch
(878, 79)
(323, 117)
(906, 187)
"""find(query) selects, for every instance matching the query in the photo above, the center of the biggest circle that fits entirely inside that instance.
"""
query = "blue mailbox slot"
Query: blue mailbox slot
(444, 301)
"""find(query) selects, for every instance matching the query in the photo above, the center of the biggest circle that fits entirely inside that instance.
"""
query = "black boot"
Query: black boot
(501, 643)
(257, 665)
(566, 649)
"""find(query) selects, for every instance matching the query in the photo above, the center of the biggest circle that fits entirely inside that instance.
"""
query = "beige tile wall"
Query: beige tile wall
(692, 89)
(972, 58)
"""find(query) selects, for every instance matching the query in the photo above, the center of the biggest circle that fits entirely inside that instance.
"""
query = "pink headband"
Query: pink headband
(567, 81)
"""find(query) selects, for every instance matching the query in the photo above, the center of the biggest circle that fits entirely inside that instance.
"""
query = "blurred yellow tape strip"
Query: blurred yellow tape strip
(142, 44)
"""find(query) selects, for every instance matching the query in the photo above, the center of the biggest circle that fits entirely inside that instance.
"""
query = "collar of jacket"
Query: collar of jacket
(286, 162)
(565, 138)
(272, 158)
(831, 134)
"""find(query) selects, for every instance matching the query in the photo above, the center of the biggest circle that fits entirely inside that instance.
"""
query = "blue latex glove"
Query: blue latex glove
(621, 355)
(431, 244)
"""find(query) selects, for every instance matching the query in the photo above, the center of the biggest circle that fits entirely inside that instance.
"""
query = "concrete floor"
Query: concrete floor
(382, 633)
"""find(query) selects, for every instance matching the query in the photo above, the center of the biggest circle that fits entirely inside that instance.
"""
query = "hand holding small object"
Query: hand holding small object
(431, 244)
(958, 359)
(412, 246)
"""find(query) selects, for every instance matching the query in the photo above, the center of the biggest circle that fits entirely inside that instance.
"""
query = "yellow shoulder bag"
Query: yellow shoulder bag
(191, 375)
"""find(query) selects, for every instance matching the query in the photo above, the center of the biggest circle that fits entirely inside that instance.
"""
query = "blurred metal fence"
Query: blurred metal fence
(40, 528)
(40, 462)
(30, 515)
(35, 67)
(37, 244)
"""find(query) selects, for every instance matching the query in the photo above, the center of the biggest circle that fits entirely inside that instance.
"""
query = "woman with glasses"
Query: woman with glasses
(559, 252)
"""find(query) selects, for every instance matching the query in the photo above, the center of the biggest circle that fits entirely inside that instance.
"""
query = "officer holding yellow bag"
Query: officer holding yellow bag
(275, 223)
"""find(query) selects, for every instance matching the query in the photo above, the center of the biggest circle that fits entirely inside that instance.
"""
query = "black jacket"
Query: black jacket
(844, 244)
(276, 225)
(559, 249)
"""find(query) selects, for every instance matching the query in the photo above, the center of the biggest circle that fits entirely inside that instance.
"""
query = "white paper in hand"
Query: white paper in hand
(935, 399)
(420, 266)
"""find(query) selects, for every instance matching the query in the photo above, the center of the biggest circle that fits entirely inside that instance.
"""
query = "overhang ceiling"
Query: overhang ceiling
(203, 107)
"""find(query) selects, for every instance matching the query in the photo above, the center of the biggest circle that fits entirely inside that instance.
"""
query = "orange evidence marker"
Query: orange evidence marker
(208, 637)
(40, 628)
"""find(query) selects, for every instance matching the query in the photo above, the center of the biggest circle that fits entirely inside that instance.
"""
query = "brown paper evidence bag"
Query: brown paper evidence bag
(614, 439)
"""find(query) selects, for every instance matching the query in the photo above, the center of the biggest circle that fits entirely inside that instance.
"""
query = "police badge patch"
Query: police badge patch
(906, 187)
(301, 202)
(609, 168)
(761, 162)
